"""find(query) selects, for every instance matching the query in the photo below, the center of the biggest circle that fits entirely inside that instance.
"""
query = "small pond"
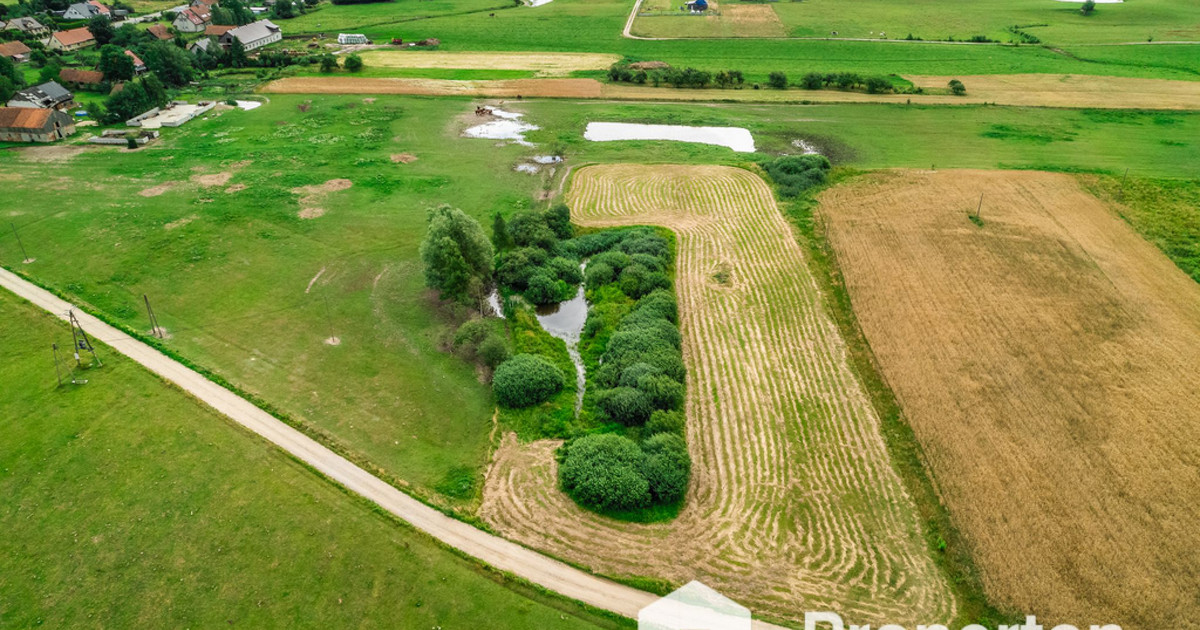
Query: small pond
(736, 138)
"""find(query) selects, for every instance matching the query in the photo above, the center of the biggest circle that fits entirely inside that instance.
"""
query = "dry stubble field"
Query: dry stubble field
(794, 504)
(1048, 364)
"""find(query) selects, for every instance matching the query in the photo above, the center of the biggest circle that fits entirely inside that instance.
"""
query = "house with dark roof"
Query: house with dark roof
(72, 39)
(253, 35)
(81, 79)
(204, 44)
(16, 52)
(47, 95)
(28, 25)
(86, 11)
(160, 32)
(20, 124)
(192, 19)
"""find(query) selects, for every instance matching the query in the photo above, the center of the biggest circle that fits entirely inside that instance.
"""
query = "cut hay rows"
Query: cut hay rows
(793, 504)
(1048, 363)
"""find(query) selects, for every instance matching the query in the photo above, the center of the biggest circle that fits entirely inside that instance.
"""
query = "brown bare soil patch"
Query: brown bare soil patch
(312, 195)
(235, 188)
(49, 153)
(793, 504)
(1047, 362)
(155, 191)
(180, 222)
(403, 158)
(213, 179)
(1055, 90)
(752, 20)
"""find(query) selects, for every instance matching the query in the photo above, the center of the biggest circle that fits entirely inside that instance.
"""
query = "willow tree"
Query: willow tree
(457, 255)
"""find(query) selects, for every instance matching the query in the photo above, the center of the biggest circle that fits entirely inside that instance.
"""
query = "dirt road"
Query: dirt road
(1026, 90)
(493, 550)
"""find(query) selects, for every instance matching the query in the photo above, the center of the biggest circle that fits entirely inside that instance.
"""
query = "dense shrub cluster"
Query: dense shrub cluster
(626, 72)
(795, 174)
(480, 341)
(533, 258)
(526, 380)
(609, 472)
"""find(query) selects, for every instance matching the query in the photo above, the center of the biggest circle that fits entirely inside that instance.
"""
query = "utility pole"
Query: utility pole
(154, 329)
(82, 342)
(24, 256)
(57, 371)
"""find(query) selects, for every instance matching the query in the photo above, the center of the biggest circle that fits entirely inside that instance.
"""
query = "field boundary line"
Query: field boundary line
(493, 551)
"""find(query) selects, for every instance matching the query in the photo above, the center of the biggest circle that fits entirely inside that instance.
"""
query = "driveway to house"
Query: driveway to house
(492, 550)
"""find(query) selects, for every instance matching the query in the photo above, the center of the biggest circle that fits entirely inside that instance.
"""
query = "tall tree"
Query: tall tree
(115, 64)
(172, 64)
(500, 238)
(101, 28)
(456, 253)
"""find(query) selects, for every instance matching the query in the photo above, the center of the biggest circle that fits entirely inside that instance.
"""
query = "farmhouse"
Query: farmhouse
(204, 44)
(81, 79)
(29, 26)
(72, 39)
(160, 32)
(352, 38)
(253, 35)
(86, 11)
(192, 19)
(20, 124)
(16, 52)
(139, 66)
(47, 95)
(217, 30)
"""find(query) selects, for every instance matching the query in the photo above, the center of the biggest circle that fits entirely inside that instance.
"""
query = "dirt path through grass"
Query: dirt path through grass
(1027, 90)
(794, 504)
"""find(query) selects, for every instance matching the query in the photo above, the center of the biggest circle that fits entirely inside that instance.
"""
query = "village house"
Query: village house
(192, 19)
(86, 11)
(207, 4)
(160, 32)
(72, 39)
(81, 79)
(352, 38)
(16, 52)
(204, 44)
(217, 30)
(253, 35)
(20, 124)
(47, 95)
(28, 26)
(138, 65)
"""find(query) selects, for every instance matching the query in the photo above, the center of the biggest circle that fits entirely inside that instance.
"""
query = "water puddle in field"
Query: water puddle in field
(736, 138)
(805, 147)
(537, 3)
(503, 126)
(248, 105)
(565, 321)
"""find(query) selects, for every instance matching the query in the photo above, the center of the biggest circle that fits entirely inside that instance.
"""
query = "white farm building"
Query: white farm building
(253, 35)
(352, 38)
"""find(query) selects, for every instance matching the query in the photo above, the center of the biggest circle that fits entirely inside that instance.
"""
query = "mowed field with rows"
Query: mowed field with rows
(1047, 361)
(793, 504)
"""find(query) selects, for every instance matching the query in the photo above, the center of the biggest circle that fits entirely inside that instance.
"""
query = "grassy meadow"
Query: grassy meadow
(128, 504)
(595, 26)
(247, 288)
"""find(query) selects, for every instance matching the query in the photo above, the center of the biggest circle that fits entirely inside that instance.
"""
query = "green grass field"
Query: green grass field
(1054, 23)
(128, 504)
(229, 273)
(332, 19)
(595, 26)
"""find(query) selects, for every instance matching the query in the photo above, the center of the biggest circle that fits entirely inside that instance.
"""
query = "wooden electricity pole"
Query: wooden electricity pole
(154, 329)
(24, 256)
(82, 342)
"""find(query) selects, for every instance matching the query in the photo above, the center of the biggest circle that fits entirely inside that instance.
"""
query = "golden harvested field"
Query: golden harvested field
(1049, 363)
(545, 64)
(794, 504)
(1025, 90)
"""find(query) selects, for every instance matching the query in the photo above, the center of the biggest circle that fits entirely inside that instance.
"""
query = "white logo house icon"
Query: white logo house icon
(694, 607)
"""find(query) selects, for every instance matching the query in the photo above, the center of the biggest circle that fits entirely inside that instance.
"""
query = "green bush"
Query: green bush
(615, 260)
(777, 80)
(529, 229)
(565, 269)
(526, 380)
(661, 391)
(604, 472)
(637, 281)
(797, 173)
(664, 421)
(660, 304)
(558, 219)
(492, 351)
(634, 373)
(646, 243)
(599, 274)
(666, 467)
(543, 288)
(653, 263)
(626, 405)
(515, 267)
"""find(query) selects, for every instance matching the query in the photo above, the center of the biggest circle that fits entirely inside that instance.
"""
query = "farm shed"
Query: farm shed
(81, 79)
(253, 35)
(47, 95)
(20, 124)
(352, 38)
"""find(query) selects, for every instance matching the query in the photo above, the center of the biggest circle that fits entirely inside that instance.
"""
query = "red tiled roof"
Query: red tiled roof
(85, 77)
(137, 61)
(9, 49)
(99, 7)
(73, 36)
(218, 30)
(196, 15)
(24, 117)
(159, 31)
